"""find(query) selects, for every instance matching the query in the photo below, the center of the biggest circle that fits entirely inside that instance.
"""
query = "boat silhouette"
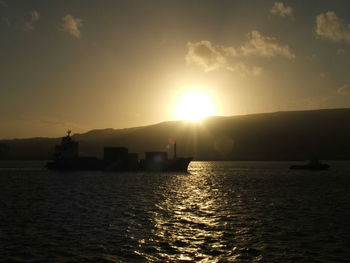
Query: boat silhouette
(66, 157)
(313, 164)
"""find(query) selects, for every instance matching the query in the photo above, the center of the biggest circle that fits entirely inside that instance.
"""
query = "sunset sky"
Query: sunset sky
(82, 65)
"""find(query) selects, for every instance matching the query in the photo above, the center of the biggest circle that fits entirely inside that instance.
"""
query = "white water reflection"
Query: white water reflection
(187, 220)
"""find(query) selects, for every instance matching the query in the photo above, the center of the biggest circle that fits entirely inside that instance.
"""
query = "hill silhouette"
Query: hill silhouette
(294, 135)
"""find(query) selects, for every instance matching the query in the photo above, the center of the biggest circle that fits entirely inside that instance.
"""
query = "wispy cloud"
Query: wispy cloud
(205, 55)
(330, 26)
(71, 25)
(281, 10)
(244, 69)
(344, 90)
(34, 17)
(211, 57)
(265, 46)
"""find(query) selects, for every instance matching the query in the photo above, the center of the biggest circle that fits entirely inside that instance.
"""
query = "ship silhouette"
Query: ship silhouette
(66, 157)
(313, 164)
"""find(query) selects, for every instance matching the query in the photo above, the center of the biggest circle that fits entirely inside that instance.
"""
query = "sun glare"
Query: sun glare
(194, 106)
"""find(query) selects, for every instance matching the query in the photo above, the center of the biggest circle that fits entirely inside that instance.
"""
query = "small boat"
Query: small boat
(313, 164)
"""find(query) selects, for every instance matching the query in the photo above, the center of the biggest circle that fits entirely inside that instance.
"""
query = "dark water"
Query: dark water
(220, 212)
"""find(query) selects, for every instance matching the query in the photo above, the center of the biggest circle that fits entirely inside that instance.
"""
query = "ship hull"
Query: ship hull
(178, 164)
(81, 164)
(310, 167)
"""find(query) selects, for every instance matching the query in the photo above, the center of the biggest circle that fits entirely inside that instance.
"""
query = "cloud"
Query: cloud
(264, 46)
(35, 15)
(205, 55)
(29, 25)
(244, 70)
(71, 25)
(230, 51)
(209, 57)
(344, 90)
(281, 10)
(330, 26)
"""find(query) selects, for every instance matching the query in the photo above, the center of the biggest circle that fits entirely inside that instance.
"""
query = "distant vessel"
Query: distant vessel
(313, 164)
(66, 157)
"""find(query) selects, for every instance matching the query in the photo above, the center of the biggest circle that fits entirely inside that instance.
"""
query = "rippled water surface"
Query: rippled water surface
(219, 212)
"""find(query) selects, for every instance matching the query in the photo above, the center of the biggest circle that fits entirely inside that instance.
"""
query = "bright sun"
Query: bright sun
(194, 106)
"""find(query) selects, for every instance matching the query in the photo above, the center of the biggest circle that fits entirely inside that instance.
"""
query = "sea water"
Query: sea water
(218, 212)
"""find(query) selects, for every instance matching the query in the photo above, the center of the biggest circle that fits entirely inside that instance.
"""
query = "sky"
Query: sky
(84, 64)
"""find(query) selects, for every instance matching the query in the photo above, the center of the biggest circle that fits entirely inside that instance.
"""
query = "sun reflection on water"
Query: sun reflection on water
(189, 223)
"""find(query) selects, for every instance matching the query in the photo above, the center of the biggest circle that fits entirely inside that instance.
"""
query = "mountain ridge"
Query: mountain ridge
(284, 135)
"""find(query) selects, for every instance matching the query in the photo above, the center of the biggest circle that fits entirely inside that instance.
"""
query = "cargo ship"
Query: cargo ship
(66, 157)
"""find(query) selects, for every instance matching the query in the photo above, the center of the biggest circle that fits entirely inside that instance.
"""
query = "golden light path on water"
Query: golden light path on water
(188, 221)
